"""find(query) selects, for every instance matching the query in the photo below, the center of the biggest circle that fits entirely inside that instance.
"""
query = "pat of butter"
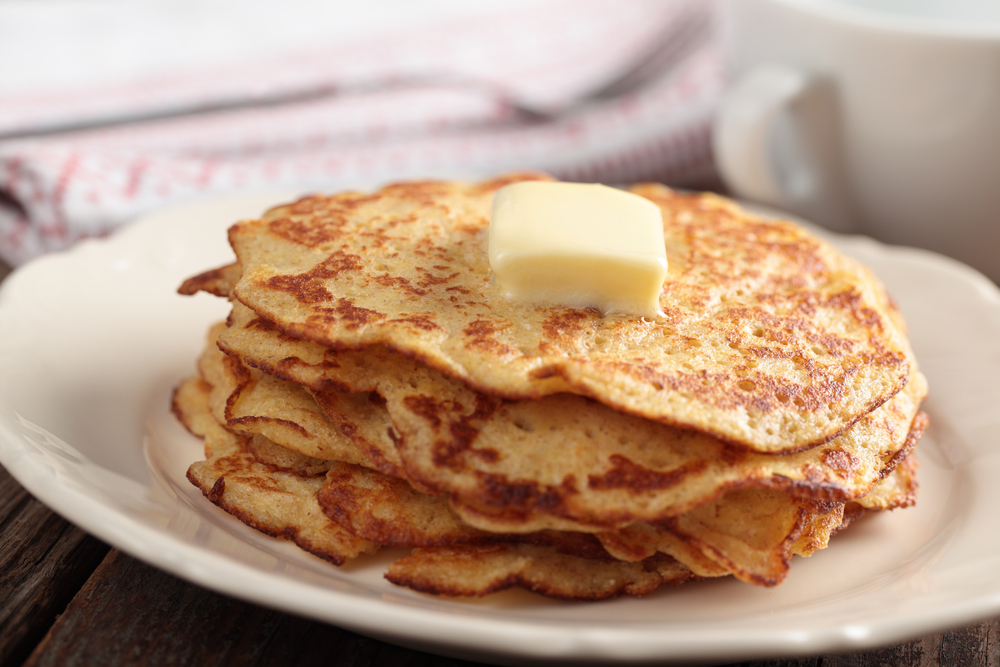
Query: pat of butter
(579, 245)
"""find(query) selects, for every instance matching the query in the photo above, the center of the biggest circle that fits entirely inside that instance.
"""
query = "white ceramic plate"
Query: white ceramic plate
(92, 342)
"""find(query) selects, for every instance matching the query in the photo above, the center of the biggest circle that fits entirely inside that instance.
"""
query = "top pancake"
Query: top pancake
(769, 338)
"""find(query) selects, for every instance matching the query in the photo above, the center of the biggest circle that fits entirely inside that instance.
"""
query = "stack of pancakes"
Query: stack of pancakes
(373, 387)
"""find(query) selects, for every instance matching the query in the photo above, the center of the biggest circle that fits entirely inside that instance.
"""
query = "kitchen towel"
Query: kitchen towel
(111, 109)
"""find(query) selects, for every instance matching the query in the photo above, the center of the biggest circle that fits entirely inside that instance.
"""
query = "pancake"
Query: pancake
(565, 461)
(372, 387)
(276, 503)
(283, 504)
(751, 533)
(898, 490)
(251, 402)
(219, 282)
(478, 570)
(768, 339)
(287, 460)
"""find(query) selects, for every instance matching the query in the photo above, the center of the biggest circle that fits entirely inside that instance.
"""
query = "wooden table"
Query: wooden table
(67, 598)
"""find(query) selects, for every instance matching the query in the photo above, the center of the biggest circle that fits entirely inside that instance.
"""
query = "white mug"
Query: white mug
(873, 116)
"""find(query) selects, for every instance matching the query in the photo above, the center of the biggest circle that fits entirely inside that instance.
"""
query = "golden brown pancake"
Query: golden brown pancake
(477, 570)
(219, 282)
(287, 460)
(751, 533)
(565, 461)
(277, 503)
(249, 401)
(372, 387)
(283, 503)
(769, 338)
(897, 490)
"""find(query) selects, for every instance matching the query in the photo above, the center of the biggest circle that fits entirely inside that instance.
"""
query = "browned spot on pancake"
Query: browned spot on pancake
(287, 368)
(523, 496)
(481, 336)
(387, 281)
(472, 227)
(481, 329)
(626, 474)
(322, 204)
(814, 475)
(841, 462)
(493, 346)
(306, 287)
(756, 390)
(331, 358)
(444, 417)
(815, 534)
(353, 316)
(217, 491)
(424, 407)
(336, 263)
(487, 454)
(425, 247)
(311, 233)
(261, 324)
(429, 279)
(336, 502)
(301, 286)
(732, 455)
(565, 322)
(463, 431)
(544, 372)
(462, 435)
(563, 331)
(421, 321)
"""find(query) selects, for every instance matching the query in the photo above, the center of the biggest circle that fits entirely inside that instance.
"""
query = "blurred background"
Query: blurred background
(110, 108)
(877, 117)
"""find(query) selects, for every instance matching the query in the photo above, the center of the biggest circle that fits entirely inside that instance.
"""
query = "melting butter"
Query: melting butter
(580, 245)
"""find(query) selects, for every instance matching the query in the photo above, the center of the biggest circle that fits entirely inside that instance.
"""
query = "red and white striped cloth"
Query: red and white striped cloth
(396, 103)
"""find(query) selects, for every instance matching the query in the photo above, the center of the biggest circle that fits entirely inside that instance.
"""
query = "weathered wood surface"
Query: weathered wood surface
(67, 599)
(131, 613)
(43, 562)
(63, 601)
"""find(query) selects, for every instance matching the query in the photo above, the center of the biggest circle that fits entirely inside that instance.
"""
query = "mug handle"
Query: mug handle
(776, 141)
